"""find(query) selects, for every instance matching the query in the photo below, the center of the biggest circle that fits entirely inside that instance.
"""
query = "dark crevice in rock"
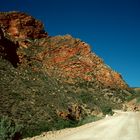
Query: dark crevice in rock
(8, 50)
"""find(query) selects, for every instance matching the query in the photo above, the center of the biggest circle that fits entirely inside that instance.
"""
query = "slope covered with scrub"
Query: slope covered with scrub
(47, 81)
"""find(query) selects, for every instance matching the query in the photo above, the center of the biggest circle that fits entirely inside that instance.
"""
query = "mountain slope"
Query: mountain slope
(52, 80)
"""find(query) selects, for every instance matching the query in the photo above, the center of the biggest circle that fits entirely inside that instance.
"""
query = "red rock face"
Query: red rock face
(21, 25)
(62, 56)
(72, 59)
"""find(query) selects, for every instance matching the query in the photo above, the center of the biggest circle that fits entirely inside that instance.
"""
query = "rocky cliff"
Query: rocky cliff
(43, 77)
(64, 56)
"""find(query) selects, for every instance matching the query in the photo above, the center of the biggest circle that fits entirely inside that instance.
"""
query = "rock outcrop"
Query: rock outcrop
(72, 59)
(22, 26)
(62, 56)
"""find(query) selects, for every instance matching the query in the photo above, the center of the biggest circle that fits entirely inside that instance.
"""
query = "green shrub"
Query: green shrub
(129, 98)
(89, 119)
(61, 124)
(107, 110)
(138, 100)
(9, 130)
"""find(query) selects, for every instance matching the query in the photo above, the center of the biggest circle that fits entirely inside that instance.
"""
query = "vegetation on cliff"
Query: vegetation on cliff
(49, 83)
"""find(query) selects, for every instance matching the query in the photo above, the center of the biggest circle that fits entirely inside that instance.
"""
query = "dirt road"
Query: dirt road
(122, 126)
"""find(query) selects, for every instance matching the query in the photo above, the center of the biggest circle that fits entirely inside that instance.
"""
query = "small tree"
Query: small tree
(9, 130)
(107, 110)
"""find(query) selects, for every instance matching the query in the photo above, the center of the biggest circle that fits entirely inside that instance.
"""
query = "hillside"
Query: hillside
(137, 90)
(49, 82)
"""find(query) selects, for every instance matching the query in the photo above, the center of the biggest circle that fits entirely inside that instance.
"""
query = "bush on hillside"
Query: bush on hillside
(9, 130)
(107, 110)
(89, 119)
(138, 100)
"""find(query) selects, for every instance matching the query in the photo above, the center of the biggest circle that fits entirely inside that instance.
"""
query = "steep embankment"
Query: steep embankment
(52, 80)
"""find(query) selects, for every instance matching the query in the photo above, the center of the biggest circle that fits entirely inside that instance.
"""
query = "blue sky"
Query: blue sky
(111, 27)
